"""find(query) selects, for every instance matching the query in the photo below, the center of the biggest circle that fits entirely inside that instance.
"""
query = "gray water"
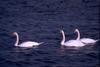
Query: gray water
(41, 21)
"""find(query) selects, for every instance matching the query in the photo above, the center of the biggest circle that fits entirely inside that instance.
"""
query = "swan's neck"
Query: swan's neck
(63, 40)
(78, 37)
(17, 40)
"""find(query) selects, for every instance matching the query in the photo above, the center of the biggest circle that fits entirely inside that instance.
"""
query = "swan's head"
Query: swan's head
(61, 31)
(15, 33)
(76, 30)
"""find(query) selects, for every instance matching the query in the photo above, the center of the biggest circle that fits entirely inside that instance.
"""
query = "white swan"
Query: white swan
(85, 40)
(71, 43)
(25, 44)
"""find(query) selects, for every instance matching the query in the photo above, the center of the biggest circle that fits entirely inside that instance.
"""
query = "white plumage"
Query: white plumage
(88, 40)
(25, 44)
(71, 43)
(85, 40)
(74, 43)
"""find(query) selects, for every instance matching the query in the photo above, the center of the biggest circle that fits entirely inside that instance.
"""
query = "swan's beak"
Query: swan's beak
(14, 33)
(75, 31)
(60, 31)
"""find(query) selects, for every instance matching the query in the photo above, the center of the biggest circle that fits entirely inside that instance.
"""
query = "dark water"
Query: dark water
(41, 21)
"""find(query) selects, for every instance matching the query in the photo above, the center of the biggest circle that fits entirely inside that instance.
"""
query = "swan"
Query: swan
(25, 44)
(85, 40)
(70, 43)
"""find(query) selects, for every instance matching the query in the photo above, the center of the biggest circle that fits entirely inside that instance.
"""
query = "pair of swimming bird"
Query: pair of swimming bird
(71, 43)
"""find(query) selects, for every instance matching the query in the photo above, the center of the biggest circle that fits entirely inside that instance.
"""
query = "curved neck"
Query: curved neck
(78, 33)
(17, 39)
(63, 40)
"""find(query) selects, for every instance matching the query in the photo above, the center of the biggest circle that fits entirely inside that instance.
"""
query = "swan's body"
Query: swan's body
(88, 41)
(71, 43)
(25, 44)
(85, 40)
(29, 44)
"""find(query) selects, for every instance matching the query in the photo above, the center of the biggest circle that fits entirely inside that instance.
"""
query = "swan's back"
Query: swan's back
(29, 44)
(74, 43)
(88, 40)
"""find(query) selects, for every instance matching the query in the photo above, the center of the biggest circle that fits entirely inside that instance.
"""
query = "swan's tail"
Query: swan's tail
(97, 40)
(41, 42)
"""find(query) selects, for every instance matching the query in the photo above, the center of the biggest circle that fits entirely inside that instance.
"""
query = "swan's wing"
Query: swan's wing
(87, 40)
(28, 44)
(75, 43)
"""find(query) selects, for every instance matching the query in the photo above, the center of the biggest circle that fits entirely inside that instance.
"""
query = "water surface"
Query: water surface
(42, 21)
